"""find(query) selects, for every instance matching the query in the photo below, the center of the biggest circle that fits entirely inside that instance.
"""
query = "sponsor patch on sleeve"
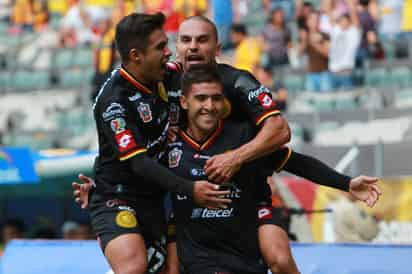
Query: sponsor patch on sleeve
(126, 219)
(125, 140)
(265, 101)
(265, 213)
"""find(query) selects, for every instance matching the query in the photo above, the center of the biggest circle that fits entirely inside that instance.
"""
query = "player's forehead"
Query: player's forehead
(195, 28)
(206, 88)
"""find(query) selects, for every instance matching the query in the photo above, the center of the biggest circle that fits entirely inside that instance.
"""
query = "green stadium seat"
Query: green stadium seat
(322, 104)
(4, 80)
(76, 78)
(64, 58)
(83, 57)
(401, 76)
(294, 82)
(30, 80)
(346, 103)
(377, 77)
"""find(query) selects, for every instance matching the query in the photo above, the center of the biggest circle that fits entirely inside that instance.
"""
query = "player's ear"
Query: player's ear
(135, 55)
(183, 102)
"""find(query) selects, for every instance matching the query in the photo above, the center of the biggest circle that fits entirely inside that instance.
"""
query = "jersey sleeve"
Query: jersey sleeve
(277, 159)
(255, 98)
(120, 127)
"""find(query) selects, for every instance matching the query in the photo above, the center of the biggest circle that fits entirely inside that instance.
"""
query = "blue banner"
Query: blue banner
(16, 166)
(85, 257)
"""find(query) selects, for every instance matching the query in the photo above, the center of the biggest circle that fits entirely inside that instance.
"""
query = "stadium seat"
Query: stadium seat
(4, 80)
(377, 77)
(64, 58)
(83, 57)
(30, 80)
(75, 78)
(345, 103)
(401, 76)
(294, 82)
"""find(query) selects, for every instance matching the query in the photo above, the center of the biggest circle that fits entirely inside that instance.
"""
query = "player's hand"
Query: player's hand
(220, 168)
(172, 134)
(208, 195)
(81, 191)
(365, 189)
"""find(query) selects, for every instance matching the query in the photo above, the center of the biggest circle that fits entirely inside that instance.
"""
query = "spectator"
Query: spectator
(247, 52)
(76, 26)
(375, 49)
(22, 15)
(222, 14)
(12, 229)
(407, 19)
(286, 5)
(85, 232)
(315, 45)
(303, 9)
(390, 19)
(70, 230)
(276, 41)
(5, 10)
(345, 37)
(104, 56)
(367, 24)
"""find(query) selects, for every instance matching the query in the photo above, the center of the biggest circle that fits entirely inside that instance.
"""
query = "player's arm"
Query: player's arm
(273, 130)
(363, 188)
(120, 125)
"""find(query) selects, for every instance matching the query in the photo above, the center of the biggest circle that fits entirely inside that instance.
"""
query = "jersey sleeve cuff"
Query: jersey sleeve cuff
(132, 153)
(283, 163)
(265, 115)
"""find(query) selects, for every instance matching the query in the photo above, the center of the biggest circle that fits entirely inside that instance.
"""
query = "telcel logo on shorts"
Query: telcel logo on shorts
(212, 213)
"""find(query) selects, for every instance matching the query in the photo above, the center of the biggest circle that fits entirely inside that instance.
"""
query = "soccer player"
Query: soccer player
(213, 241)
(131, 114)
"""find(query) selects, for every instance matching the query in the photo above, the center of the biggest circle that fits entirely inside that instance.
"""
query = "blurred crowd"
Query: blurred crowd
(15, 229)
(328, 39)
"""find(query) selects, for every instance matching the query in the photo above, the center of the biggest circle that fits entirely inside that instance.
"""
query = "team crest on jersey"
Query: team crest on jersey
(266, 101)
(174, 157)
(174, 113)
(145, 112)
(118, 125)
(126, 219)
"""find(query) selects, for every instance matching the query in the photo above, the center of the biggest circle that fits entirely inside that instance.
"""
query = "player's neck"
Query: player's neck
(198, 134)
(136, 73)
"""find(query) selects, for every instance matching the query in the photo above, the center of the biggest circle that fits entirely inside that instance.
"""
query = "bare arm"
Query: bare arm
(172, 261)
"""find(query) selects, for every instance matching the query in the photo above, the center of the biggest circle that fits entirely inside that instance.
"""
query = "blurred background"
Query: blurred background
(340, 70)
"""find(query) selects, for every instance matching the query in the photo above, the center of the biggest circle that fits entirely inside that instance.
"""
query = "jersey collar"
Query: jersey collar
(209, 140)
(132, 80)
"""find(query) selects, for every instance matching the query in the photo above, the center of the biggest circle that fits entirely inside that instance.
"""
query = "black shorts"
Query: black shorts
(112, 217)
(267, 214)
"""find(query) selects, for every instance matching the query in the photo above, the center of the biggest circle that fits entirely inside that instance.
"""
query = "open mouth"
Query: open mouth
(195, 59)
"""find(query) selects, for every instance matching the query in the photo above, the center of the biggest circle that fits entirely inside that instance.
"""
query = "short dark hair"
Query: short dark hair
(133, 31)
(16, 223)
(239, 28)
(200, 73)
(207, 21)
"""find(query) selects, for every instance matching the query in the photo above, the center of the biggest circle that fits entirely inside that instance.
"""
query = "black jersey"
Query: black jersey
(218, 237)
(247, 99)
(131, 119)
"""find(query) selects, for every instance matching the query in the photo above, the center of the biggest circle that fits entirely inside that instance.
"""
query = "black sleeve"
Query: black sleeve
(254, 98)
(314, 170)
(160, 175)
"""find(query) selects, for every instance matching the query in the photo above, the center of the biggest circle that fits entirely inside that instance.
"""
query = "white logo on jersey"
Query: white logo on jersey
(125, 140)
(206, 213)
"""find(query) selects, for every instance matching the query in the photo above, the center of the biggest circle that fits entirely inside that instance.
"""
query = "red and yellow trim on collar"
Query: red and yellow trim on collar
(128, 77)
(209, 141)
(265, 115)
(132, 153)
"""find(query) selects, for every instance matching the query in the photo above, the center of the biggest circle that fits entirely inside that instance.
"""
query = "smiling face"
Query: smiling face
(197, 43)
(204, 103)
(152, 60)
